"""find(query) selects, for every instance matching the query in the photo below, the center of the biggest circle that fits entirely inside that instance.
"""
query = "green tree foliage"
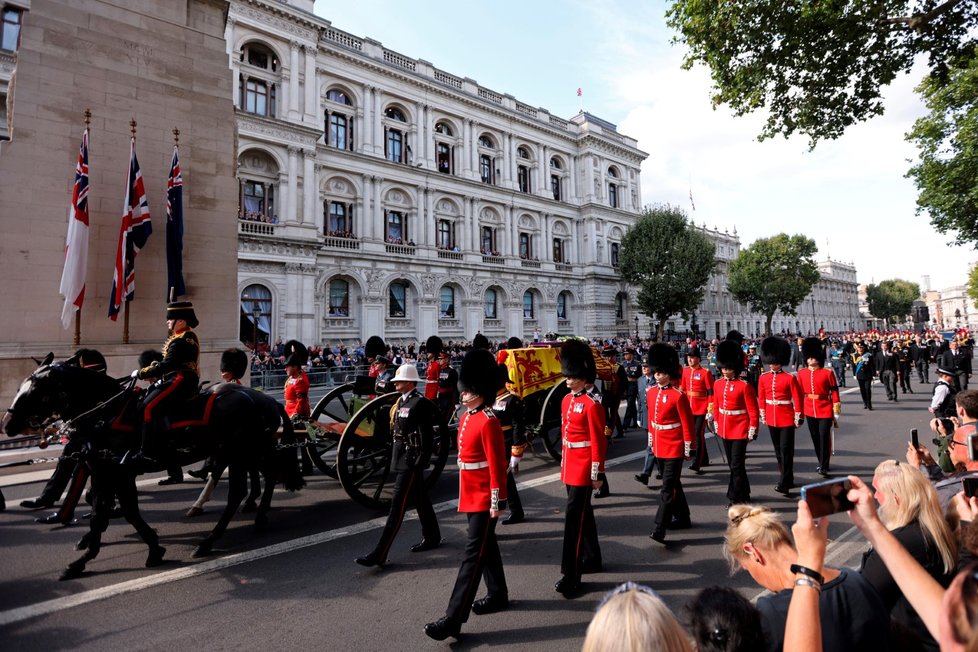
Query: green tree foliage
(669, 261)
(892, 299)
(774, 274)
(946, 174)
(973, 283)
(815, 66)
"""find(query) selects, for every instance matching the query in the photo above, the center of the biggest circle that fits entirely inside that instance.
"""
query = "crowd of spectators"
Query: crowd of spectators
(399, 241)
(346, 235)
(256, 216)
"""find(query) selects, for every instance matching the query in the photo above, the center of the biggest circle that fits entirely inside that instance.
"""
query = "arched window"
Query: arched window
(555, 163)
(443, 129)
(562, 306)
(339, 121)
(613, 188)
(397, 295)
(258, 78)
(487, 142)
(522, 152)
(395, 145)
(446, 307)
(259, 56)
(527, 305)
(255, 300)
(339, 298)
(490, 304)
(338, 96)
(395, 113)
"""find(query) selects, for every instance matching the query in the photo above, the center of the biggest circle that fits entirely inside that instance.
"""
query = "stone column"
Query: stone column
(429, 204)
(312, 84)
(363, 129)
(282, 197)
(377, 125)
(510, 222)
(364, 225)
(507, 144)
(294, 81)
(293, 202)
(309, 186)
(588, 191)
(572, 181)
(378, 210)
(543, 185)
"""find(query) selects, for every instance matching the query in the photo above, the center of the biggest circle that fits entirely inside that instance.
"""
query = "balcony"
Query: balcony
(341, 243)
(449, 255)
(403, 250)
(530, 264)
(563, 267)
(493, 260)
(250, 227)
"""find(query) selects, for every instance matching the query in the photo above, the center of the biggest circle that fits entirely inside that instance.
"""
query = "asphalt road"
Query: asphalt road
(296, 586)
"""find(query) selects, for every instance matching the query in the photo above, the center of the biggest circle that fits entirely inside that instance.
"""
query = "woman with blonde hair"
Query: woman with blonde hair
(911, 510)
(852, 615)
(632, 618)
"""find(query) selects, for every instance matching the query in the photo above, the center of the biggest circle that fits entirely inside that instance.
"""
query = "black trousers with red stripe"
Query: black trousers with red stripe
(409, 490)
(482, 561)
(580, 533)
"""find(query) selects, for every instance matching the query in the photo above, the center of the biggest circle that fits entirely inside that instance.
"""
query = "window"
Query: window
(339, 298)
(489, 241)
(339, 219)
(445, 235)
(395, 146)
(489, 304)
(485, 168)
(446, 308)
(443, 129)
(555, 186)
(486, 141)
(395, 113)
(443, 158)
(523, 178)
(615, 250)
(11, 29)
(619, 306)
(256, 201)
(526, 246)
(255, 298)
(338, 96)
(337, 131)
(613, 195)
(559, 251)
(256, 97)
(396, 228)
(562, 306)
(259, 56)
(555, 164)
(397, 295)
(527, 305)
(522, 152)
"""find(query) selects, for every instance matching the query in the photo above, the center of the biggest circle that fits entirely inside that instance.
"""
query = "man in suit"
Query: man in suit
(889, 369)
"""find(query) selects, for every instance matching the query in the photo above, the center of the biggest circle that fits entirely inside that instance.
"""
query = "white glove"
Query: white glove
(135, 374)
(762, 418)
(514, 464)
(687, 448)
(752, 434)
(709, 416)
(798, 419)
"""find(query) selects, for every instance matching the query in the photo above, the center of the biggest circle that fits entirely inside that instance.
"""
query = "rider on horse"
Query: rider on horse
(178, 374)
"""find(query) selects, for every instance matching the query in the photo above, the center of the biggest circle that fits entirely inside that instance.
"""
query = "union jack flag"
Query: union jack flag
(174, 230)
(76, 244)
(133, 233)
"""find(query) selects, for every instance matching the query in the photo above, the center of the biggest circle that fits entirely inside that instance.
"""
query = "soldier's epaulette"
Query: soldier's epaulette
(489, 413)
(596, 399)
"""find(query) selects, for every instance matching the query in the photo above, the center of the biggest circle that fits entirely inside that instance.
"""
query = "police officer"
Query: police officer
(508, 408)
(633, 371)
(413, 419)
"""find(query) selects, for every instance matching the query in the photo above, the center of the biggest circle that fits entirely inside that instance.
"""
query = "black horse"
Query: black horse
(235, 424)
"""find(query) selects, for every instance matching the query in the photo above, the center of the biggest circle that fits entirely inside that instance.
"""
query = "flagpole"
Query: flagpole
(76, 339)
(125, 297)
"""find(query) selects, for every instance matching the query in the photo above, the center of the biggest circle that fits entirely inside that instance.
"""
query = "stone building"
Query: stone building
(379, 194)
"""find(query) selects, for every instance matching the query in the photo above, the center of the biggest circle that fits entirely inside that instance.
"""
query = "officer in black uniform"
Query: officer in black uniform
(920, 357)
(633, 371)
(508, 408)
(413, 419)
(384, 383)
(754, 366)
(902, 353)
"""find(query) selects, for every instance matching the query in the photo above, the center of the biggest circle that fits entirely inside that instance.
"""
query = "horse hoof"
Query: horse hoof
(195, 511)
(71, 573)
(155, 557)
(82, 543)
(249, 507)
(202, 551)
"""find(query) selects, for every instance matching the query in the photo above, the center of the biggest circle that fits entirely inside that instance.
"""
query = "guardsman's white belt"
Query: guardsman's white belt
(728, 413)
(472, 466)
(577, 444)
(770, 402)
(665, 426)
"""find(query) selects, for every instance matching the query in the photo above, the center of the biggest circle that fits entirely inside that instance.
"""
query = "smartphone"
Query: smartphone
(973, 447)
(913, 438)
(970, 485)
(827, 497)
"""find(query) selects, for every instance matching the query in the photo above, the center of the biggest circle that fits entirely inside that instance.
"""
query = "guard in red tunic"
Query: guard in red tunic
(697, 384)
(736, 417)
(582, 459)
(374, 348)
(481, 496)
(297, 384)
(820, 398)
(779, 399)
(670, 437)
(433, 348)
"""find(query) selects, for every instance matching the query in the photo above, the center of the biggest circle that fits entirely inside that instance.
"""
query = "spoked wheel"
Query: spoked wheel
(548, 429)
(363, 457)
(326, 426)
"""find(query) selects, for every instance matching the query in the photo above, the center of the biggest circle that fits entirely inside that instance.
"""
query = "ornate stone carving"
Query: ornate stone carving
(374, 278)
(428, 283)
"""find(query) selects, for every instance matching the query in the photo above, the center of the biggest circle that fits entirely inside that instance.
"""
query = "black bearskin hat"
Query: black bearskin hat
(576, 360)
(775, 350)
(92, 359)
(480, 341)
(664, 359)
(375, 346)
(434, 345)
(234, 362)
(694, 352)
(730, 356)
(736, 336)
(514, 343)
(146, 358)
(479, 374)
(811, 347)
(296, 354)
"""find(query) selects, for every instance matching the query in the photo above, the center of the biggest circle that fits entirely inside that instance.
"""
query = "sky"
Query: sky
(849, 195)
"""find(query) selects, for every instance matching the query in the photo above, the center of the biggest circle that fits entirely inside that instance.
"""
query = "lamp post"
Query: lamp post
(256, 314)
(636, 327)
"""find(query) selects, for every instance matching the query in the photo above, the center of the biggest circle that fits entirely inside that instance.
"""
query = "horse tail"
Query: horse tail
(288, 461)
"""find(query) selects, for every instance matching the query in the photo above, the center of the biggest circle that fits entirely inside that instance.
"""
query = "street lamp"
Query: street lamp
(636, 327)
(256, 313)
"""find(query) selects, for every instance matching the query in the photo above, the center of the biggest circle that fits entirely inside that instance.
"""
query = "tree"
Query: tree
(973, 283)
(946, 175)
(818, 67)
(774, 274)
(669, 261)
(892, 299)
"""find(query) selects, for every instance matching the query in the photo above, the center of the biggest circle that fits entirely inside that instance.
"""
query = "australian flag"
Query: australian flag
(174, 230)
(133, 234)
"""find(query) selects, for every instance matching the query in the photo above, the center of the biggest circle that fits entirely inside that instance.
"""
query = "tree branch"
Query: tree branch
(920, 22)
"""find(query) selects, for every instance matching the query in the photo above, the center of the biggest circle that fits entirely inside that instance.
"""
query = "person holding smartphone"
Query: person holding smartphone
(947, 485)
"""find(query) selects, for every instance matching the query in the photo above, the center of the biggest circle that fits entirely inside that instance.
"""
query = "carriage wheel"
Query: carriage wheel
(549, 425)
(327, 422)
(363, 458)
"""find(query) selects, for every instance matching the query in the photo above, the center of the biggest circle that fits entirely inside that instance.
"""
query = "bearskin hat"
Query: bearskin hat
(434, 345)
(663, 358)
(480, 341)
(736, 336)
(775, 350)
(514, 343)
(234, 362)
(576, 360)
(479, 374)
(146, 358)
(811, 347)
(375, 346)
(92, 359)
(694, 352)
(730, 356)
(296, 354)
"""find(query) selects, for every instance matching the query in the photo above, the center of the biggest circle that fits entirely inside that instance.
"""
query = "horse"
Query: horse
(235, 424)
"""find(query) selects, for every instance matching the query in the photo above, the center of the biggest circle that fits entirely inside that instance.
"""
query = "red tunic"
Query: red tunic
(584, 443)
(736, 408)
(482, 461)
(819, 392)
(297, 395)
(697, 384)
(670, 421)
(431, 386)
(779, 398)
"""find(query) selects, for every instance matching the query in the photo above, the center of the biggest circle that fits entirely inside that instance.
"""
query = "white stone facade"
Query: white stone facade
(395, 198)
